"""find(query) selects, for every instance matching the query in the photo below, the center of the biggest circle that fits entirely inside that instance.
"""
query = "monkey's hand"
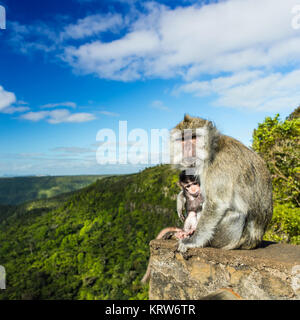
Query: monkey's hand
(181, 234)
(209, 219)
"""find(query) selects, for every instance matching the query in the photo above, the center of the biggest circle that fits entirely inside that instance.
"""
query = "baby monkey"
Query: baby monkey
(191, 200)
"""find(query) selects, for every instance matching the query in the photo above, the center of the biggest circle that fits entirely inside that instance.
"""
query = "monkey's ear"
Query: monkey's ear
(179, 184)
(187, 118)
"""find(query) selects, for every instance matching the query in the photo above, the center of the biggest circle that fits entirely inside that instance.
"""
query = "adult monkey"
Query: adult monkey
(235, 183)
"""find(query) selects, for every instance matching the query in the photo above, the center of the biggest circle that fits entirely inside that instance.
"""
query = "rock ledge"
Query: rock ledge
(271, 271)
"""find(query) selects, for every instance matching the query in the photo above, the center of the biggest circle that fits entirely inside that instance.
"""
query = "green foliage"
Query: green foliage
(278, 142)
(295, 114)
(18, 190)
(285, 226)
(92, 245)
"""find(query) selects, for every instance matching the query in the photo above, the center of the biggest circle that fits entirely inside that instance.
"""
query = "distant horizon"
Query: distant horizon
(60, 175)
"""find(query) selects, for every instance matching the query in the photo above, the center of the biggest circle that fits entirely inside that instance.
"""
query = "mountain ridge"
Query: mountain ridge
(93, 245)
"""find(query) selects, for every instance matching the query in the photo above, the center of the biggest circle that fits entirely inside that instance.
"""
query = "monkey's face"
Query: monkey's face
(193, 188)
(189, 147)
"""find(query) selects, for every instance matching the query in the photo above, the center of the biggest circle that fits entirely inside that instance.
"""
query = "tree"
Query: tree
(278, 142)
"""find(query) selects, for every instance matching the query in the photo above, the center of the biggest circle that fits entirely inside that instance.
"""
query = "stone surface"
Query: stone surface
(267, 272)
(223, 294)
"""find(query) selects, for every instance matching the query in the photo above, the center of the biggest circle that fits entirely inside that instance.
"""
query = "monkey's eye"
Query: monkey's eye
(191, 184)
(188, 186)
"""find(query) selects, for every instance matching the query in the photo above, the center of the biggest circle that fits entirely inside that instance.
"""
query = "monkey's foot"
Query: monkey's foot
(187, 243)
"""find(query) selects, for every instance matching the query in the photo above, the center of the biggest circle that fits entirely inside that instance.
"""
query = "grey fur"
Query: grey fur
(237, 189)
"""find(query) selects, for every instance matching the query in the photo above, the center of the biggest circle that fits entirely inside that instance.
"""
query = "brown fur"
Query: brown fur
(190, 123)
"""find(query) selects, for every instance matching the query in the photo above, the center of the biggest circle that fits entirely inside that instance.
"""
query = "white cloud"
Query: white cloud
(157, 104)
(110, 114)
(92, 25)
(250, 41)
(6, 99)
(34, 116)
(120, 59)
(13, 109)
(188, 41)
(75, 117)
(58, 116)
(9, 103)
(61, 104)
(250, 90)
(73, 150)
(272, 92)
(216, 85)
(224, 36)
(38, 36)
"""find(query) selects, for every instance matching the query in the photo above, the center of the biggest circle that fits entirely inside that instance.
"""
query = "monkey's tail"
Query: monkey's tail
(165, 231)
(159, 236)
(147, 274)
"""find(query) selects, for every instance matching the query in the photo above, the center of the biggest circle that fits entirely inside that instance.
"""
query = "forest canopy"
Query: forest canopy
(94, 243)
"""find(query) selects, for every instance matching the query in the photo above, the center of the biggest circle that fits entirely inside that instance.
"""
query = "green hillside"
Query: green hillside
(31, 206)
(94, 245)
(21, 189)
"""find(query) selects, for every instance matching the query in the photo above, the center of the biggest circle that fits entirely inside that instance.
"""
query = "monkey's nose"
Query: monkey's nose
(188, 161)
(195, 191)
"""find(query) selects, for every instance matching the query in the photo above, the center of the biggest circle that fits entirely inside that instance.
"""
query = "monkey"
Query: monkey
(191, 199)
(235, 183)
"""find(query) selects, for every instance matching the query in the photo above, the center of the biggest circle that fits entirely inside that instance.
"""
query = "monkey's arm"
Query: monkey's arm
(181, 205)
(208, 221)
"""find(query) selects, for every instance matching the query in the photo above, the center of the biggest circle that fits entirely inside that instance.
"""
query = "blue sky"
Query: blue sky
(70, 68)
